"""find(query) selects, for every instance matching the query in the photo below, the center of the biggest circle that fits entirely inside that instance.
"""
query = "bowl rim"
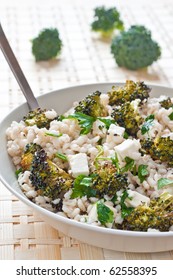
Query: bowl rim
(65, 220)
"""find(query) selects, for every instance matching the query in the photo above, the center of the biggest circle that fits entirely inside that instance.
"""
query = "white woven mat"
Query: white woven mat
(84, 59)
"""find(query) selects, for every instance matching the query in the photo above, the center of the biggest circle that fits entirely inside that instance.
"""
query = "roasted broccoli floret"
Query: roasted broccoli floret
(160, 148)
(166, 103)
(106, 21)
(135, 48)
(107, 181)
(127, 116)
(130, 91)
(92, 106)
(37, 117)
(47, 178)
(158, 215)
(28, 155)
(47, 45)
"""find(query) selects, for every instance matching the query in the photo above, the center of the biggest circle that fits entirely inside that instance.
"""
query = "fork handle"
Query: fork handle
(17, 71)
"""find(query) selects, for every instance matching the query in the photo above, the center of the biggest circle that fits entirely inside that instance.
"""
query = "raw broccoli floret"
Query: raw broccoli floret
(135, 48)
(28, 155)
(160, 148)
(47, 45)
(47, 178)
(157, 215)
(130, 91)
(127, 116)
(106, 21)
(92, 106)
(107, 181)
(37, 117)
(166, 103)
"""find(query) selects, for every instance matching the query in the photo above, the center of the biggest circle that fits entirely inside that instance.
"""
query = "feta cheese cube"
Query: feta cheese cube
(128, 148)
(99, 128)
(116, 130)
(135, 199)
(78, 164)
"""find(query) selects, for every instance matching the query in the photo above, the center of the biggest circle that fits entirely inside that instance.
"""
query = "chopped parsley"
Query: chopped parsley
(85, 121)
(107, 122)
(83, 186)
(149, 121)
(142, 172)
(129, 165)
(164, 182)
(104, 213)
(171, 116)
(125, 211)
(18, 171)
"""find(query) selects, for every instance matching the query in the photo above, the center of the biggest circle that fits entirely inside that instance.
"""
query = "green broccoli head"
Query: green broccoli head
(160, 148)
(47, 45)
(157, 215)
(28, 155)
(92, 106)
(37, 117)
(107, 181)
(166, 103)
(129, 92)
(106, 21)
(47, 178)
(135, 48)
(127, 116)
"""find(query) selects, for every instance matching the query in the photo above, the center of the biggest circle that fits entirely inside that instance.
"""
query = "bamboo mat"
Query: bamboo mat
(84, 59)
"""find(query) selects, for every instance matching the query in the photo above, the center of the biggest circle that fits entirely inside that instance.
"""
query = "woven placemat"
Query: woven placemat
(23, 235)
(84, 59)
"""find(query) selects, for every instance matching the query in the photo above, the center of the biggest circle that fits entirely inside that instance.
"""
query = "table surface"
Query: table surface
(85, 58)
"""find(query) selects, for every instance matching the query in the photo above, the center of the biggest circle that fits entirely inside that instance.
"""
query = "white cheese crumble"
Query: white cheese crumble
(135, 199)
(78, 164)
(128, 148)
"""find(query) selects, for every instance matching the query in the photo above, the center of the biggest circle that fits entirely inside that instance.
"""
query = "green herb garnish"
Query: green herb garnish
(115, 162)
(82, 187)
(53, 134)
(125, 211)
(18, 171)
(61, 156)
(147, 124)
(164, 182)
(85, 121)
(171, 116)
(104, 213)
(107, 122)
(129, 165)
(142, 172)
(126, 135)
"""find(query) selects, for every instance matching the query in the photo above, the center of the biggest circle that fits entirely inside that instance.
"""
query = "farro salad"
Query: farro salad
(107, 161)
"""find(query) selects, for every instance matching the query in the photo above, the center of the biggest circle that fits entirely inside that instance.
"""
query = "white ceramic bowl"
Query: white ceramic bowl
(128, 241)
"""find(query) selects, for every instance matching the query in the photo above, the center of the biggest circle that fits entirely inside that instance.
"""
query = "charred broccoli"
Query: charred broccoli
(127, 116)
(166, 103)
(47, 178)
(158, 215)
(106, 21)
(160, 148)
(28, 155)
(47, 45)
(130, 91)
(37, 117)
(107, 181)
(135, 48)
(92, 106)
